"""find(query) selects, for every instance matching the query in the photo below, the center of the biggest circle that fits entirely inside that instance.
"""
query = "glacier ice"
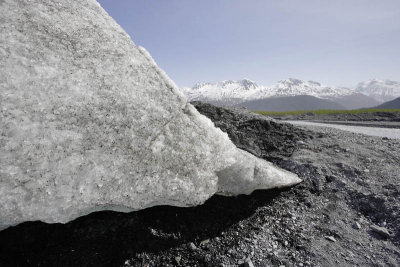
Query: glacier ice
(88, 122)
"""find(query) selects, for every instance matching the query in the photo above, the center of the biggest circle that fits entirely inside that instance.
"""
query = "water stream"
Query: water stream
(373, 131)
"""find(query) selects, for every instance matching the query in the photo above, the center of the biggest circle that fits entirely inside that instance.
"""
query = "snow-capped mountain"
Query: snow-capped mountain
(366, 94)
(242, 90)
(294, 87)
(225, 91)
(381, 90)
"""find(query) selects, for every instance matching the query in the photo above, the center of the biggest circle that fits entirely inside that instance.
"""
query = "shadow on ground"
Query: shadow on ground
(109, 238)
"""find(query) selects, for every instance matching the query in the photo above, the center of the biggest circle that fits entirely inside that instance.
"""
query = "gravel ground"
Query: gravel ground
(346, 212)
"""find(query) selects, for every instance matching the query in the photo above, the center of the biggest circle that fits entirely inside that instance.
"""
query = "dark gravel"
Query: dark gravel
(345, 213)
(257, 134)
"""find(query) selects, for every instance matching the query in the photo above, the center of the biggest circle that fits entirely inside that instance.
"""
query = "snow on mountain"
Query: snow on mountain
(381, 90)
(223, 91)
(294, 87)
(365, 94)
(233, 92)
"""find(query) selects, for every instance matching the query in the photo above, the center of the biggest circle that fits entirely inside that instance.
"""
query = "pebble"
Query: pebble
(331, 238)
(357, 226)
(192, 246)
(300, 143)
(178, 259)
(330, 178)
(204, 242)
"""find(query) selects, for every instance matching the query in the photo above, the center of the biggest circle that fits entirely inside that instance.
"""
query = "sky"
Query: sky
(339, 42)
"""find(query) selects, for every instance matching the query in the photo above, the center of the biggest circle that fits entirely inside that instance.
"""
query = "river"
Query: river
(373, 131)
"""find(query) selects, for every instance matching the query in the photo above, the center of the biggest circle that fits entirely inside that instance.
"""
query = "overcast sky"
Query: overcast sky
(340, 42)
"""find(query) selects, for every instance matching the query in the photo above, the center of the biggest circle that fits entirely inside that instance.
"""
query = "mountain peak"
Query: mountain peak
(248, 84)
(228, 90)
(291, 81)
(381, 90)
(199, 85)
(294, 87)
(379, 81)
(316, 83)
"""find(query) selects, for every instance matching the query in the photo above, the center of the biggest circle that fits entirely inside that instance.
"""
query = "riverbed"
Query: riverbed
(372, 131)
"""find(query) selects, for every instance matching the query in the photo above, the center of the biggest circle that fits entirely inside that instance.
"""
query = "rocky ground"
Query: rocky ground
(345, 213)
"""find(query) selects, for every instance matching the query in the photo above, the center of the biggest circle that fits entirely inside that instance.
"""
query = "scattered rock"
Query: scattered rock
(382, 231)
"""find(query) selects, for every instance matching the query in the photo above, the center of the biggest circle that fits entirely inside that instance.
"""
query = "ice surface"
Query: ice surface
(89, 122)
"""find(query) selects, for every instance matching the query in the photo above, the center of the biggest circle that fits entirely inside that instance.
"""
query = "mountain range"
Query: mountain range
(287, 93)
